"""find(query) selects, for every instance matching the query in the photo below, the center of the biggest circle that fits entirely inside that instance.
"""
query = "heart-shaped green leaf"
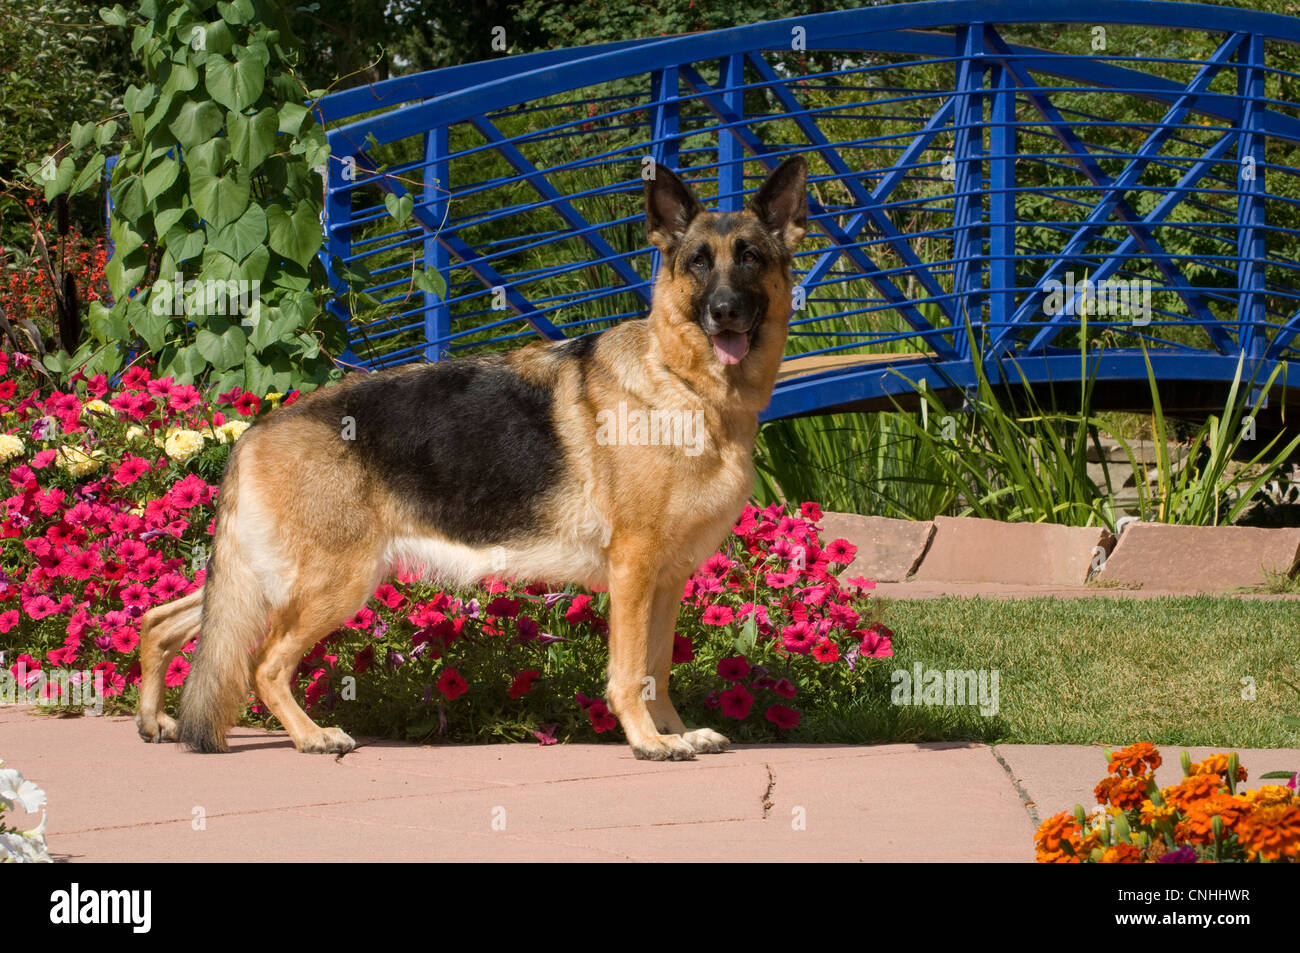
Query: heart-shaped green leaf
(196, 122)
(252, 138)
(234, 85)
(297, 234)
(240, 238)
(219, 199)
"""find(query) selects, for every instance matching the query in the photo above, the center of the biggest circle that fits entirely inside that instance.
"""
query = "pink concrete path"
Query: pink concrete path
(113, 798)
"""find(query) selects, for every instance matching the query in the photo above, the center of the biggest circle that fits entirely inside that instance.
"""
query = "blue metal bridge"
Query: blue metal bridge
(991, 180)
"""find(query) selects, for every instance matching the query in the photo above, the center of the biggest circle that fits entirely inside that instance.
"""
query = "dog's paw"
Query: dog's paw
(664, 748)
(163, 728)
(707, 740)
(327, 741)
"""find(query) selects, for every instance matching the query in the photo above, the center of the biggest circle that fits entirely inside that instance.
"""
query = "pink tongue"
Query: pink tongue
(730, 346)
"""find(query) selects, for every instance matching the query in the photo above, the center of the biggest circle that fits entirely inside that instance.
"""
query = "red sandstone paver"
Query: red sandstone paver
(968, 549)
(1201, 558)
(889, 550)
(114, 798)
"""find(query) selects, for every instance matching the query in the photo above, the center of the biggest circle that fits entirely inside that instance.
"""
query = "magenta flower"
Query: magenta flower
(784, 718)
(736, 702)
(734, 669)
(177, 670)
(718, 615)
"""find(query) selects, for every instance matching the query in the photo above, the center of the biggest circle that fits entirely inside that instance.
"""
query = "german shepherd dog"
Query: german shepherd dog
(491, 466)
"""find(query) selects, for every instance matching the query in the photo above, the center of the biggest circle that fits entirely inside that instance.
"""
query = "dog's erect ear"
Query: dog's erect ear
(670, 206)
(782, 203)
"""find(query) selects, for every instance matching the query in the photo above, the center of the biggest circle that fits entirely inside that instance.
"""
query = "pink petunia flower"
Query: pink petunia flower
(734, 669)
(784, 718)
(736, 702)
(176, 671)
(826, 651)
(718, 615)
(601, 719)
(452, 685)
(683, 649)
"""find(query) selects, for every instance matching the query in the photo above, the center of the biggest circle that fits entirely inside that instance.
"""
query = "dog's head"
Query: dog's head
(728, 274)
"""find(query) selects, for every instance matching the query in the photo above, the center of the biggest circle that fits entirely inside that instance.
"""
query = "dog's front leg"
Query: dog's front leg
(667, 605)
(633, 575)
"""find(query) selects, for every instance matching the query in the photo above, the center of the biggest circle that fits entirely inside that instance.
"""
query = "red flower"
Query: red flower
(734, 669)
(501, 606)
(784, 718)
(877, 642)
(841, 551)
(452, 685)
(248, 404)
(736, 702)
(177, 671)
(389, 596)
(718, 615)
(523, 683)
(132, 469)
(683, 648)
(785, 688)
(826, 651)
(362, 660)
(579, 610)
(601, 719)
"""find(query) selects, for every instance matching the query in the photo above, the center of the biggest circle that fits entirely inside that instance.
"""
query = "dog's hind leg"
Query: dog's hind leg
(667, 603)
(165, 629)
(294, 630)
(633, 574)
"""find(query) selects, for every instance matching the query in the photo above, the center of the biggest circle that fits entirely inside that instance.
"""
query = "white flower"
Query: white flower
(25, 847)
(14, 788)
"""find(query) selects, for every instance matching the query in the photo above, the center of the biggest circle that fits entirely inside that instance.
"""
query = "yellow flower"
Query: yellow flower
(233, 430)
(274, 399)
(183, 445)
(77, 462)
(10, 446)
(136, 433)
(98, 407)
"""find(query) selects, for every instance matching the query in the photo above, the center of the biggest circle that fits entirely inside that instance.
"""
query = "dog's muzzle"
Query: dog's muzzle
(729, 331)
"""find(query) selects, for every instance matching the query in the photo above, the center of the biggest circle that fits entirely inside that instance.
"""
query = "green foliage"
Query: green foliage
(217, 204)
(1207, 491)
(58, 65)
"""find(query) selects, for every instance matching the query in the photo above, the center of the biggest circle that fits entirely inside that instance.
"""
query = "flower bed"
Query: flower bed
(1200, 820)
(112, 510)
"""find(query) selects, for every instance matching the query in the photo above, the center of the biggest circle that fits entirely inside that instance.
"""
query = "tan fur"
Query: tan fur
(304, 534)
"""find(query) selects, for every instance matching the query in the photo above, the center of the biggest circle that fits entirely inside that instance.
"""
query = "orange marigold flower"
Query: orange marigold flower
(1216, 764)
(1192, 789)
(1130, 760)
(1152, 812)
(1122, 854)
(1124, 793)
(1055, 829)
(1271, 832)
(1270, 794)
(1198, 828)
(1056, 857)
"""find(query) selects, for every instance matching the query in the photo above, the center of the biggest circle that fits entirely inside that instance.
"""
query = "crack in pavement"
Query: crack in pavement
(766, 799)
(1031, 809)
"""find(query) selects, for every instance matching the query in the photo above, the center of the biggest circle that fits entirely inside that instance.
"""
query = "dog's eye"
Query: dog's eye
(750, 257)
(701, 260)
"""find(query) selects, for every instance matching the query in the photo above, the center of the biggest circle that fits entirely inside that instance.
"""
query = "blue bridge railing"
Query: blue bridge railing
(988, 180)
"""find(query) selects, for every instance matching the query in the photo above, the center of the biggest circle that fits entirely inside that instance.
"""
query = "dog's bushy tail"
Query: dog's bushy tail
(233, 622)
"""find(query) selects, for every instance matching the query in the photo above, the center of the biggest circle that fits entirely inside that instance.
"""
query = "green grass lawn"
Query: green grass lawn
(1078, 671)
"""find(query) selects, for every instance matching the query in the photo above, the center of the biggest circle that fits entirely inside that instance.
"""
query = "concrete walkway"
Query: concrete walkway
(113, 798)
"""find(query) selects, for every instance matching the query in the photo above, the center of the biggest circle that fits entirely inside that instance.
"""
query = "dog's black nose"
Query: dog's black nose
(724, 308)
